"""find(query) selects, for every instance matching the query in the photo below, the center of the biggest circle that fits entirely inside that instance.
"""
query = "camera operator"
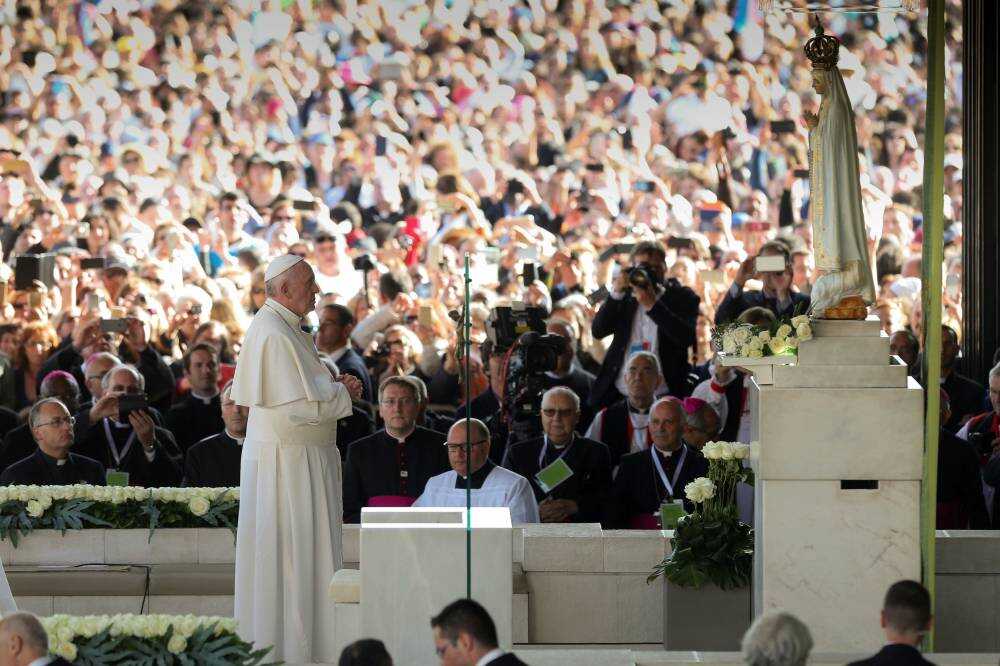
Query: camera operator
(779, 295)
(645, 313)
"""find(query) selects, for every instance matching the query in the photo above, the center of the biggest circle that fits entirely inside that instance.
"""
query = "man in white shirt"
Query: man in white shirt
(334, 272)
(23, 642)
(491, 485)
(465, 635)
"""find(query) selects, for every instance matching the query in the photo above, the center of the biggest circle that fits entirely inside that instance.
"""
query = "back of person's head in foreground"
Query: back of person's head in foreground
(463, 632)
(777, 639)
(365, 652)
(22, 640)
(906, 612)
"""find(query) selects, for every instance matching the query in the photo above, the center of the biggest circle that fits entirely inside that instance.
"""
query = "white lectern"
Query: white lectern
(413, 563)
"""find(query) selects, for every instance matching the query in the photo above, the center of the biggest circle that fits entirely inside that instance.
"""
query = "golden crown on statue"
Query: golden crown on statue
(823, 50)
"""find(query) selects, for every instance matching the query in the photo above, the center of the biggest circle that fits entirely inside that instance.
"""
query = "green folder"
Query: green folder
(115, 478)
(670, 513)
(550, 477)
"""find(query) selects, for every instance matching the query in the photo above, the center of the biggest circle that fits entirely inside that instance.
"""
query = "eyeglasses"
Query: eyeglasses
(63, 420)
(550, 413)
(442, 649)
(402, 402)
(452, 448)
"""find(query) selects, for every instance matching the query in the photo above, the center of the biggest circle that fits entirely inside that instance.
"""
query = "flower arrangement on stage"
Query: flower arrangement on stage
(747, 340)
(711, 545)
(24, 509)
(149, 639)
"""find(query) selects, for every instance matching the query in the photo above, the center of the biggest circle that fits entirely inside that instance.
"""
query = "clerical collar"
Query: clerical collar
(238, 440)
(54, 462)
(636, 410)
(400, 440)
(559, 447)
(478, 477)
(668, 454)
(206, 399)
(293, 319)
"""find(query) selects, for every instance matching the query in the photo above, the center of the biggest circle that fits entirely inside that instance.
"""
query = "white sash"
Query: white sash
(668, 483)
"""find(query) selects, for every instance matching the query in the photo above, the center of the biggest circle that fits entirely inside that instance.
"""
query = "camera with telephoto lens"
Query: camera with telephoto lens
(642, 276)
(363, 263)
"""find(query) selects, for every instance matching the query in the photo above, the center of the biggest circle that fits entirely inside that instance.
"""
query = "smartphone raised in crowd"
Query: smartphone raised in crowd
(380, 146)
(115, 325)
(128, 403)
(770, 264)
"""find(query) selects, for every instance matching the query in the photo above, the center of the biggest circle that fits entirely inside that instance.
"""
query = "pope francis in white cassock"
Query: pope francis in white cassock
(288, 542)
(492, 485)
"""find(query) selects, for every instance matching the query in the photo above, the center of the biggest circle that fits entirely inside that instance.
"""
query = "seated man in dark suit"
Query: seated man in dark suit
(779, 295)
(465, 635)
(648, 478)
(906, 617)
(580, 498)
(199, 414)
(132, 442)
(19, 442)
(52, 464)
(214, 462)
(334, 339)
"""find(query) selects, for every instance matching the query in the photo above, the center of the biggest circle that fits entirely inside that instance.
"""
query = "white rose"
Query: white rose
(710, 450)
(35, 509)
(803, 332)
(783, 331)
(67, 651)
(798, 321)
(198, 506)
(729, 345)
(756, 353)
(700, 490)
(177, 644)
(764, 336)
(726, 450)
(778, 345)
(741, 334)
(754, 343)
(741, 451)
(793, 343)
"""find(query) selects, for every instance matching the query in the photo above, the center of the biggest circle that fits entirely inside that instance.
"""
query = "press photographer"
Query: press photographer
(779, 295)
(645, 312)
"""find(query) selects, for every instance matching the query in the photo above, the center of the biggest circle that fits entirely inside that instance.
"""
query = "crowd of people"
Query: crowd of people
(154, 157)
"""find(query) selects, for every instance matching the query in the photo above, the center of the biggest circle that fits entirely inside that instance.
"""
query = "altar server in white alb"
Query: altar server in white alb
(492, 485)
(288, 542)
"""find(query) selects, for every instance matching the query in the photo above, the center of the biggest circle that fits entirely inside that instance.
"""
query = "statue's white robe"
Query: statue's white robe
(288, 542)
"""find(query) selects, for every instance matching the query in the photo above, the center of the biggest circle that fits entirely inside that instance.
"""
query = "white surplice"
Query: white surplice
(288, 543)
(7, 605)
(502, 487)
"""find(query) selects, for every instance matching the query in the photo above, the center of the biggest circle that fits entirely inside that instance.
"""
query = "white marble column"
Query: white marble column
(837, 495)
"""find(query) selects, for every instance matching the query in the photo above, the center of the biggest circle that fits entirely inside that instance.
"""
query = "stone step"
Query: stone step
(845, 350)
(833, 328)
(839, 376)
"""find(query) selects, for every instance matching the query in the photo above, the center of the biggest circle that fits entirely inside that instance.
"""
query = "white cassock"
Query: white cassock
(288, 542)
(501, 488)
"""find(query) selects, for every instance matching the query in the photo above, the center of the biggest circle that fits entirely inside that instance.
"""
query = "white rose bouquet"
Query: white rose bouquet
(711, 545)
(780, 339)
(163, 639)
(24, 509)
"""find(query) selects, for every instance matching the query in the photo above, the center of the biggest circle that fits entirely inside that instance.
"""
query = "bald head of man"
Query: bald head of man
(22, 640)
(666, 424)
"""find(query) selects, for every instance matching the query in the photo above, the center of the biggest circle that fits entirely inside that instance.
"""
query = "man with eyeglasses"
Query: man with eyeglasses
(465, 635)
(20, 442)
(392, 467)
(52, 464)
(580, 497)
(130, 442)
(624, 426)
(646, 479)
(491, 485)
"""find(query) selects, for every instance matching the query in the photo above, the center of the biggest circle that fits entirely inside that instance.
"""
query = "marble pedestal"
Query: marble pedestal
(837, 494)
(413, 563)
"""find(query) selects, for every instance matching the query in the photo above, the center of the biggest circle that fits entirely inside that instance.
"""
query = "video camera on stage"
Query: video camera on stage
(518, 334)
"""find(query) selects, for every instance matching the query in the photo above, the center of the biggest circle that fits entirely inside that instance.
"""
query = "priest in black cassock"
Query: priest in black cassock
(199, 414)
(648, 478)
(391, 467)
(133, 444)
(581, 497)
(624, 425)
(52, 464)
(20, 441)
(214, 462)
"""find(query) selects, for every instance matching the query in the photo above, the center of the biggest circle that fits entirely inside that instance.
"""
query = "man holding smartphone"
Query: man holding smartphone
(773, 266)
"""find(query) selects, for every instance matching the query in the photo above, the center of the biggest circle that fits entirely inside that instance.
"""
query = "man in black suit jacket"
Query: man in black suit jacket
(906, 617)
(199, 414)
(465, 635)
(214, 462)
(658, 316)
(648, 478)
(23, 641)
(52, 464)
(147, 452)
(334, 339)
(20, 442)
(778, 295)
(581, 497)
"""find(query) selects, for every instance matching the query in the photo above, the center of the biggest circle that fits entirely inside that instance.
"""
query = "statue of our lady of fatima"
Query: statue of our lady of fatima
(845, 287)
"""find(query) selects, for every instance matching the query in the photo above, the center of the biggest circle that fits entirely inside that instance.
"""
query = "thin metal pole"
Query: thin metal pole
(933, 254)
(467, 344)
